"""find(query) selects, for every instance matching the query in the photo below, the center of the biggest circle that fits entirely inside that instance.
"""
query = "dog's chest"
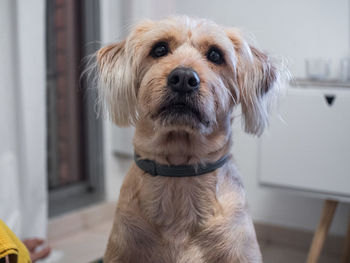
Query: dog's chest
(177, 206)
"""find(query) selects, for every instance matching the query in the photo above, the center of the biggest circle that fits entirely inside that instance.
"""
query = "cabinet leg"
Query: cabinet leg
(329, 208)
(346, 255)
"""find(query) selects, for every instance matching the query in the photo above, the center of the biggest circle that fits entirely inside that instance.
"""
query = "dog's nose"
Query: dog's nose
(183, 80)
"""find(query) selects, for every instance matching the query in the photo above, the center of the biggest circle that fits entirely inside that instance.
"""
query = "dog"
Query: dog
(178, 81)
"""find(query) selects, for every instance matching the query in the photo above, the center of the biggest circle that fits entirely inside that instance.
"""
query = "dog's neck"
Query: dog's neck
(179, 147)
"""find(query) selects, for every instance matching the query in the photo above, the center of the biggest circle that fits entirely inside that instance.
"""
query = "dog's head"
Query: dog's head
(185, 74)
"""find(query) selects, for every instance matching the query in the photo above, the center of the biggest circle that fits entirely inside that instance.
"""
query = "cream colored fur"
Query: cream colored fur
(194, 219)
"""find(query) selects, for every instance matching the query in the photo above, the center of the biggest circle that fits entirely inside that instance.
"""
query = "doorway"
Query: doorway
(74, 134)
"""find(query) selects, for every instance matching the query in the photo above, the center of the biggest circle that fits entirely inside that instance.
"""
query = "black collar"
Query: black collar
(155, 169)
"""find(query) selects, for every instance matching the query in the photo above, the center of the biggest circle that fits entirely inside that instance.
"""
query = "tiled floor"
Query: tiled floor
(89, 245)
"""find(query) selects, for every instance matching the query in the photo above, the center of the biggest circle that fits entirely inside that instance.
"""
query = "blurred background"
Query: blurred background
(61, 166)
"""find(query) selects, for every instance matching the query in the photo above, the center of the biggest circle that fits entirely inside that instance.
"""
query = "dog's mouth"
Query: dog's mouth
(180, 112)
(180, 109)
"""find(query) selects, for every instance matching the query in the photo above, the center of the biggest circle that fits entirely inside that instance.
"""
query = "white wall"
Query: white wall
(292, 29)
(23, 117)
(9, 158)
(111, 13)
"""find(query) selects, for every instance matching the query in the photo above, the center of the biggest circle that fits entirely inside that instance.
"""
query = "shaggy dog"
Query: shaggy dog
(178, 81)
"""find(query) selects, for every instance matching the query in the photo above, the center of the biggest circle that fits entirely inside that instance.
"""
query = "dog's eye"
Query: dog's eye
(215, 55)
(160, 49)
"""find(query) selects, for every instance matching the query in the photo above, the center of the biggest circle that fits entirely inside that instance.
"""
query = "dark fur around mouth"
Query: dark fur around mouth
(181, 110)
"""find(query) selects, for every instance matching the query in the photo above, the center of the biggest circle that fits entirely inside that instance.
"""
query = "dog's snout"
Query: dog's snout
(183, 80)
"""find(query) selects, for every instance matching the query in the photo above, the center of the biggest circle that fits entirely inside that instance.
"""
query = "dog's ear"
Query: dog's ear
(115, 83)
(257, 80)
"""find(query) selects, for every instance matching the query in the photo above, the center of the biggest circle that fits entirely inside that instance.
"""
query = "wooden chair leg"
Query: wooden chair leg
(346, 255)
(329, 208)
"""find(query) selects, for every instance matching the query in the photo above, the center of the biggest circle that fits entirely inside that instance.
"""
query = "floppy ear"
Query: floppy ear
(257, 81)
(116, 89)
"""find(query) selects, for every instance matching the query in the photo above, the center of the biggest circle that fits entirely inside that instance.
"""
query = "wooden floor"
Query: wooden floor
(82, 247)
(88, 245)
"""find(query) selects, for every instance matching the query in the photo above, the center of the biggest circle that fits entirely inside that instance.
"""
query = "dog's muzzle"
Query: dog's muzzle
(181, 105)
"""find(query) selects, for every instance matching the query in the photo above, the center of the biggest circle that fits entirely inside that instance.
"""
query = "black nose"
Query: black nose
(183, 80)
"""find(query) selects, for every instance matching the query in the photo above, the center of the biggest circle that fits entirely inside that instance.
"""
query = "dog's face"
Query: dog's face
(185, 74)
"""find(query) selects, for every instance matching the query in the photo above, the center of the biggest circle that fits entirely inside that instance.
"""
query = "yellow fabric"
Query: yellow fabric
(11, 245)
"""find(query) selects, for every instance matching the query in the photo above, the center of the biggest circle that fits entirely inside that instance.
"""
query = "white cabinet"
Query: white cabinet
(307, 146)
